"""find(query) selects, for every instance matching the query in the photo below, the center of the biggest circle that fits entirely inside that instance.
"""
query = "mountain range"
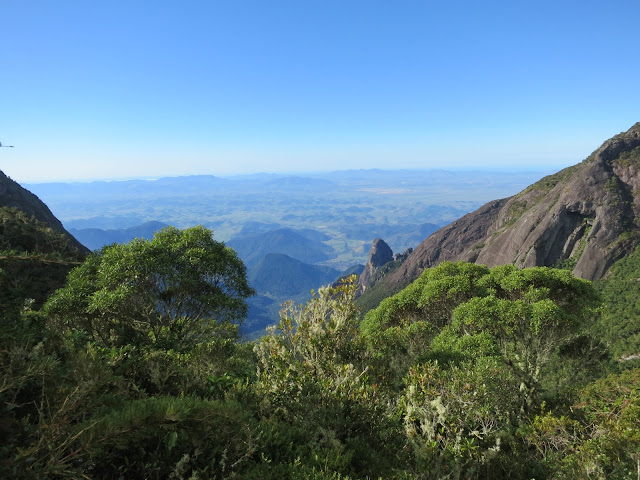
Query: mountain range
(303, 245)
(583, 218)
(96, 238)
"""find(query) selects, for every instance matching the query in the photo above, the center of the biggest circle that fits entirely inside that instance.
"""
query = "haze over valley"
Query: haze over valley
(323, 224)
(343, 210)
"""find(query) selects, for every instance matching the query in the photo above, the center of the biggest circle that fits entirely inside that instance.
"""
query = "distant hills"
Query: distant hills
(345, 209)
(303, 246)
(280, 275)
(96, 238)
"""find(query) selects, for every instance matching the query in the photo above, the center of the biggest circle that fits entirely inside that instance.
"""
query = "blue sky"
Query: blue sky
(123, 89)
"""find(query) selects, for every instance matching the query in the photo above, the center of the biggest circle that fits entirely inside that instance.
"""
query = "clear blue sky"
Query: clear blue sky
(120, 89)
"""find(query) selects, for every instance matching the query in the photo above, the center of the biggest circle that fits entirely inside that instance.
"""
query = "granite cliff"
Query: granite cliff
(379, 255)
(582, 218)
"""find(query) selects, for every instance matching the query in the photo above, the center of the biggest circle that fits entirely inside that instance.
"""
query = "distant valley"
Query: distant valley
(347, 208)
(96, 238)
(294, 233)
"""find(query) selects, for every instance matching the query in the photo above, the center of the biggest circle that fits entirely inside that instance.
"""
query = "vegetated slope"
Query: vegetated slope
(582, 218)
(36, 252)
(620, 322)
(279, 275)
(95, 238)
(13, 195)
(34, 259)
(253, 247)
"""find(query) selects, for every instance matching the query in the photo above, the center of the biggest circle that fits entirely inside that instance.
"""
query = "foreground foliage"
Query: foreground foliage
(135, 370)
(169, 292)
(621, 319)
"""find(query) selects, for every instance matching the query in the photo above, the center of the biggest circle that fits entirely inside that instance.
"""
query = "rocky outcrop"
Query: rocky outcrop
(13, 195)
(582, 218)
(379, 255)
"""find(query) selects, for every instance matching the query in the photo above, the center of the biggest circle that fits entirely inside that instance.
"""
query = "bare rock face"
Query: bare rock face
(13, 195)
(583, 218)
(379, 255)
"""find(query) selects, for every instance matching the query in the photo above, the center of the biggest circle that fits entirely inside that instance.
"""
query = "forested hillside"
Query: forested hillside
(620, 324)
(134, 370)
(34, 258)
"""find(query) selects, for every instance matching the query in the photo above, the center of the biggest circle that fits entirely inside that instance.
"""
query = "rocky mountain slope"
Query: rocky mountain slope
(381, 261)
(583, 218)
(13, 195)
(36, 253)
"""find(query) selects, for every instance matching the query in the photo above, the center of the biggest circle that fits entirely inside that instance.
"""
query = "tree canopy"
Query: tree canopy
(133, 370)
(173, 288)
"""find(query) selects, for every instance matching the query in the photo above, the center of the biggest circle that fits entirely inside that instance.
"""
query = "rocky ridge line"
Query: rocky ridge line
(583, 218)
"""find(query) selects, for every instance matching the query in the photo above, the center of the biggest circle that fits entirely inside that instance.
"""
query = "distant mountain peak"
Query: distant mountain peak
(380, 254)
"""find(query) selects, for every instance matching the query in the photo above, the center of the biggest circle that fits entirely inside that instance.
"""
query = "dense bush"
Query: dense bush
(134, 370)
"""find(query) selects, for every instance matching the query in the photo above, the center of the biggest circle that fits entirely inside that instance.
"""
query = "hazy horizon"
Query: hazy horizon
(302, 174)
(128, 90)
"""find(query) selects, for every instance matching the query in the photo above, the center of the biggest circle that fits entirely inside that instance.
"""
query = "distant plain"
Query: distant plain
(350, 208)
(290, 230)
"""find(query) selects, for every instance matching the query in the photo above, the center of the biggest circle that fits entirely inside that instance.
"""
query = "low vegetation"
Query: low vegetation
(133, 368)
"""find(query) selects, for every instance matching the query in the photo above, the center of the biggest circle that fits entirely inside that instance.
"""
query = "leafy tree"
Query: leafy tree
(600, 437)
(432, 297)
(312, 375)
(457, 418)
(477, 348)
(400, 330)
(170, 292)
(532, 314)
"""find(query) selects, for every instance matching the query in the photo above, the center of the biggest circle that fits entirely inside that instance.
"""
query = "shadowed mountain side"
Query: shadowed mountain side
(380, 254)
(13, 195)
(279, 275)
(263, 312)
(253, 247)
(96, 238)
(583, 218)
